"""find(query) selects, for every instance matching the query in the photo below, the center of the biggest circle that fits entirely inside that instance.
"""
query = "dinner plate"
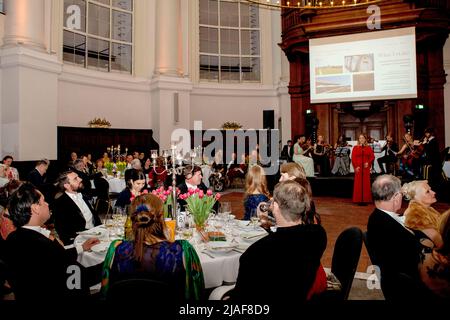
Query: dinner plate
(220, 246)
(243, 223)
(253, 235)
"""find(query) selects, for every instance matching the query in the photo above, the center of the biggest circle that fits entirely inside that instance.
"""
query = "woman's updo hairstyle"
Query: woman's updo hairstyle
(409, 190)
(147, 218)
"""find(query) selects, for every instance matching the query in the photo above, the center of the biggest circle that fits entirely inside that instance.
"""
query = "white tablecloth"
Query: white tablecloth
(223, 268)
(116, 184)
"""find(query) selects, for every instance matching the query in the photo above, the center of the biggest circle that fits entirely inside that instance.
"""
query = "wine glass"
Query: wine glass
(224, 211)
(254, 218)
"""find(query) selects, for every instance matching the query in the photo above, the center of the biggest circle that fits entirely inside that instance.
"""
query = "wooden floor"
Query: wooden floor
(337, 214)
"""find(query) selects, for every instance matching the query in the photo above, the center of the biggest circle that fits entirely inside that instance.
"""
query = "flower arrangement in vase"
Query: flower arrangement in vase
(109, 166)
(166, 198)
(121, 166)
(200, 205)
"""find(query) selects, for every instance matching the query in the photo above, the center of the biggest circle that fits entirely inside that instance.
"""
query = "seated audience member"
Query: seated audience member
(80, 167)
(150, 255)
(135, 181)
(435, 267)
(289, 257)
(6, 225)
(39, 264)
(393, 247)
(236, 170)
(256, 190)
(13, 173)
(420, 215)
(136, 164)
(192, 180)
(3, 175)
(37, 175)
(72, 211)
(156, 179)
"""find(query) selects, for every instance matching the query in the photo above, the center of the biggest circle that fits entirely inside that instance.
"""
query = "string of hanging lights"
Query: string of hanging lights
(312, 4)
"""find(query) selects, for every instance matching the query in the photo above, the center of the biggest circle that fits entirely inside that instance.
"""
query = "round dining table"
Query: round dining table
(218, 267)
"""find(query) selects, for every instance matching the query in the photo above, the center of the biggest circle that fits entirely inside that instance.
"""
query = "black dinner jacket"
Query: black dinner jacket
(36, 179)
(68, 218)
(432, 153)
(394, 249)
(285, 154)
(280, 264)
(184, 189)
(38, 267)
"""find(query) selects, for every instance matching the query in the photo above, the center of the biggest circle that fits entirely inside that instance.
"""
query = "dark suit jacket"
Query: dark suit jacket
(394, 249)
(432, 153)
(38, 266)
(68, 218)
(36, 179)
(184, 189)
(285, 154)
(281, 263)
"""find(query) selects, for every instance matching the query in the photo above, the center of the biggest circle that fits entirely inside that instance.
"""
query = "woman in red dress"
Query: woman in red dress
(362, 159)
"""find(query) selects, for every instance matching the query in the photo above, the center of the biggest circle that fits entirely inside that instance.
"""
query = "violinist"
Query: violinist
(390, 155)
(300, 151)
(410, 157)
(432, 158)
(320, 157)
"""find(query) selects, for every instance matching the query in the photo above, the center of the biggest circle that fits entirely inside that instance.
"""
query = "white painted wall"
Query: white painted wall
(242, 104)
(84, 95)
(447, 92)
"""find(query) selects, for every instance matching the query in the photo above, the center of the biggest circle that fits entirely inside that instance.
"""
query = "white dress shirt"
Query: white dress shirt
(43, 231)
(191, 186)
(81, 204)
(396, 217)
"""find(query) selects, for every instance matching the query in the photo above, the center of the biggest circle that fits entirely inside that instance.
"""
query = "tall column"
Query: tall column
(167, 39)
(29, 84)
(24, 23)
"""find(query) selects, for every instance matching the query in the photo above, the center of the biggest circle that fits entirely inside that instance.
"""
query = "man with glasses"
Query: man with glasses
(392, 246)
(282, 266)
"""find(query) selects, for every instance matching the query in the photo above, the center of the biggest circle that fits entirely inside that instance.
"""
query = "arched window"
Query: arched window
(99, 34)
(229, 41)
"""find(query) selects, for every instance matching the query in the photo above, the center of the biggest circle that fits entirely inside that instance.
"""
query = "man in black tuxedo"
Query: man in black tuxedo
(72, 212)
(40, 266)
(192, 180)
(37, 175)
(392, 246)
(433, 158)
(288, 151)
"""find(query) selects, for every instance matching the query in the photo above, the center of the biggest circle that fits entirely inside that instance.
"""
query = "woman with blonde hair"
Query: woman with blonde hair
(420, 215)
(435, 267)
(150, 255)
(255, 189)
(362, 160)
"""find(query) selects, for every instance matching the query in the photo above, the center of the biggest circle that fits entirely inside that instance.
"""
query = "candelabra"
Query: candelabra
(115, 152)
(177, 168)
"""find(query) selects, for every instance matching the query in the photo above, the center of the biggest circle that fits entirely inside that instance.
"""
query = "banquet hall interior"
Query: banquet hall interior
(174, 83)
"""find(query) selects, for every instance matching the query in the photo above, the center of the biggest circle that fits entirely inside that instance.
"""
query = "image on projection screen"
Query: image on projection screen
(377, 65)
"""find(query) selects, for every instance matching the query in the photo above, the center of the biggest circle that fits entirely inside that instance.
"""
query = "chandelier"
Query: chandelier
(312, 4)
